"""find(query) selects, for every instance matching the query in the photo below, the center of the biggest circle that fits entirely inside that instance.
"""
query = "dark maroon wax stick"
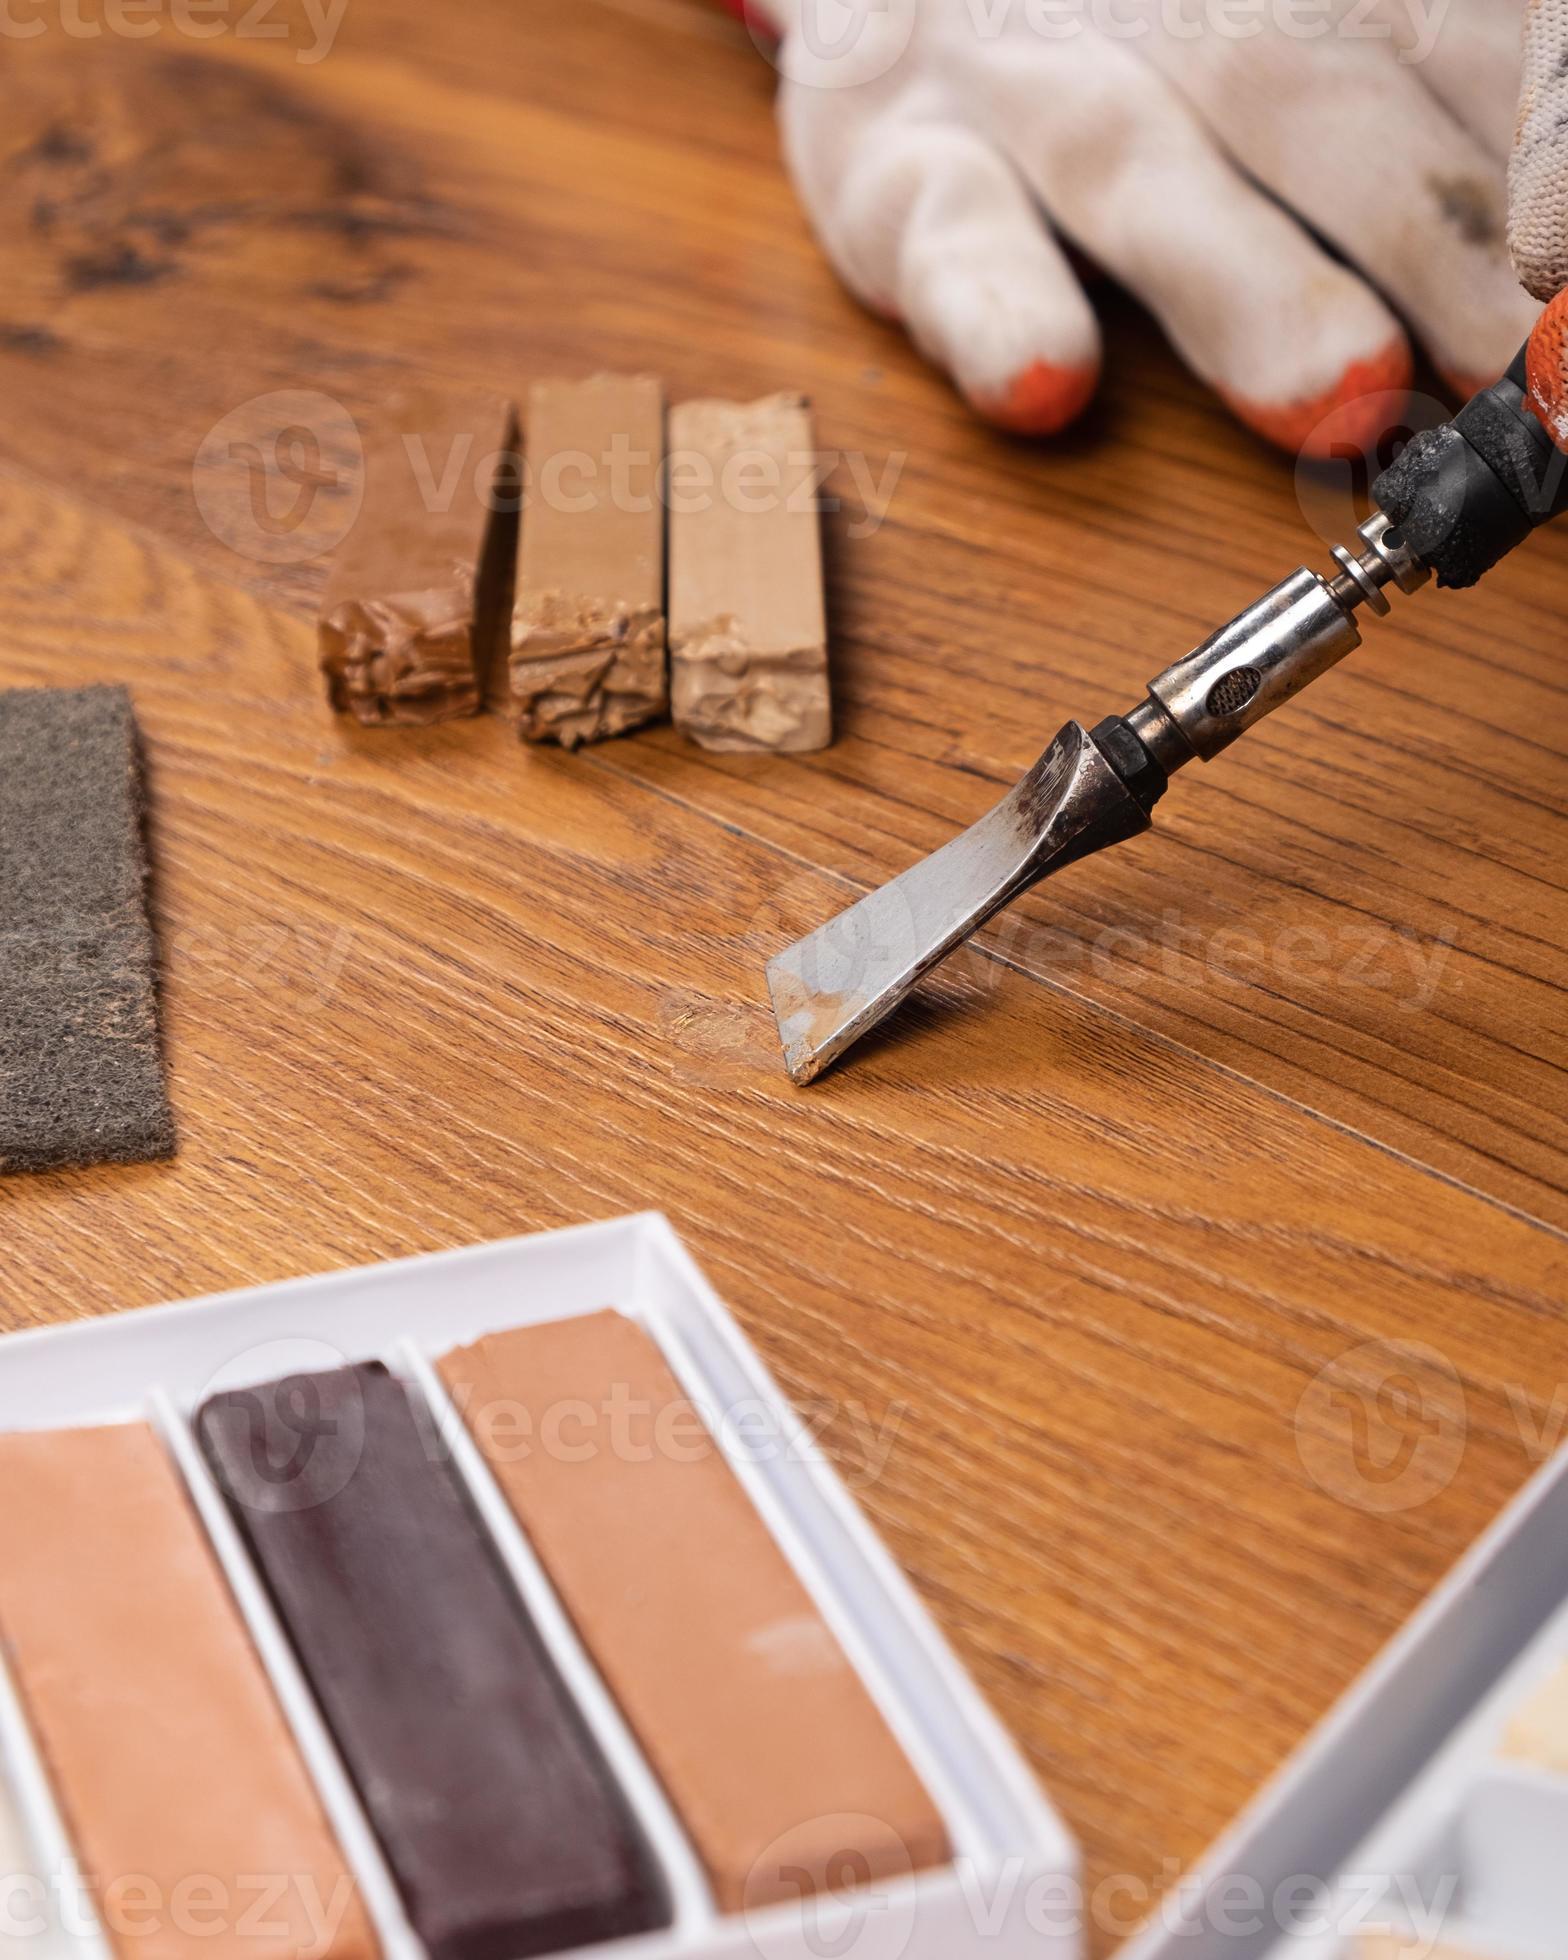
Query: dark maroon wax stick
(499, 1817)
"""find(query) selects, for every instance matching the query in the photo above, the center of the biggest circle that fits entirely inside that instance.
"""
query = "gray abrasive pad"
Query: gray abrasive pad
(81, 1078)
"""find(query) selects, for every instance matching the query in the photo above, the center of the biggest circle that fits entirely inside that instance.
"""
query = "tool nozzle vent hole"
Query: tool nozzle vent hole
(1229, 695)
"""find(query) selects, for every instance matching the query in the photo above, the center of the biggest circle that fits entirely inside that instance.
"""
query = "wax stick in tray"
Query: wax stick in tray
(189, 1806)
(501, 1823)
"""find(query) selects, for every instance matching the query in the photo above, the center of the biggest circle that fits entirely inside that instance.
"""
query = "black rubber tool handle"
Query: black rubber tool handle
(1464, 495)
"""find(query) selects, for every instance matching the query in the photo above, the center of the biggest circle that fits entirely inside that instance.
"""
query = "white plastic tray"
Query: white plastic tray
(1014, 1860)
(1391, 1788)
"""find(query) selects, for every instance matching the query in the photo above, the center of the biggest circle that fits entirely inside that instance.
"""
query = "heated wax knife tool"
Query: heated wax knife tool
(1457, 500)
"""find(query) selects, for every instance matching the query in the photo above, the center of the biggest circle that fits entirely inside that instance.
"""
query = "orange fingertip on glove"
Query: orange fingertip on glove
(1546, 370)
(1350, 414)
(1044, 399)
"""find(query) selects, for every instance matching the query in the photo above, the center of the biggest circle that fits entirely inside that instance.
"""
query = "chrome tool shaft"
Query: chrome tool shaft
(1089, 790)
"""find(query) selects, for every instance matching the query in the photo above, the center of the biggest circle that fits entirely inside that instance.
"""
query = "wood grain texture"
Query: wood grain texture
(1058, 1259)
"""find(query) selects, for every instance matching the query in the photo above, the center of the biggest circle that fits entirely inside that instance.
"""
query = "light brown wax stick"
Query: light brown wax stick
(588, 643)
(776, 1759)
(189, 1805)
(1539, 1732)
(416, 599)
(748, 625)
(1395, 1946)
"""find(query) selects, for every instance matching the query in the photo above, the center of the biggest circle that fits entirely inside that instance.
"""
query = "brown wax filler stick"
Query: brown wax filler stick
(748, 623)
(187, 1799)
(500, 1821)
(773, 1753)
(416, 598)
(588, 641)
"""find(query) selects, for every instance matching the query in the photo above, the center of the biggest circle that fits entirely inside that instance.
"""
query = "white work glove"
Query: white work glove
(1198, 150)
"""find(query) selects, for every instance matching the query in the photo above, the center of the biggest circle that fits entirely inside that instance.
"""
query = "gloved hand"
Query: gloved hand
(1538, 205)
(1192, 148)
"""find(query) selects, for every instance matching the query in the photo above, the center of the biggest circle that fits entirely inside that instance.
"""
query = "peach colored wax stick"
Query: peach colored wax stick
(181, 1785)
(775, 1757)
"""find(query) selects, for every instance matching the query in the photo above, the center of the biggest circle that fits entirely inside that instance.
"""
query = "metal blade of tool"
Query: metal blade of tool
(832, 986)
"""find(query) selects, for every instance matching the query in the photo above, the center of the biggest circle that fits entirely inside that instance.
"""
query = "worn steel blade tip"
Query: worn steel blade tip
(838, 982)
(814, 1029)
